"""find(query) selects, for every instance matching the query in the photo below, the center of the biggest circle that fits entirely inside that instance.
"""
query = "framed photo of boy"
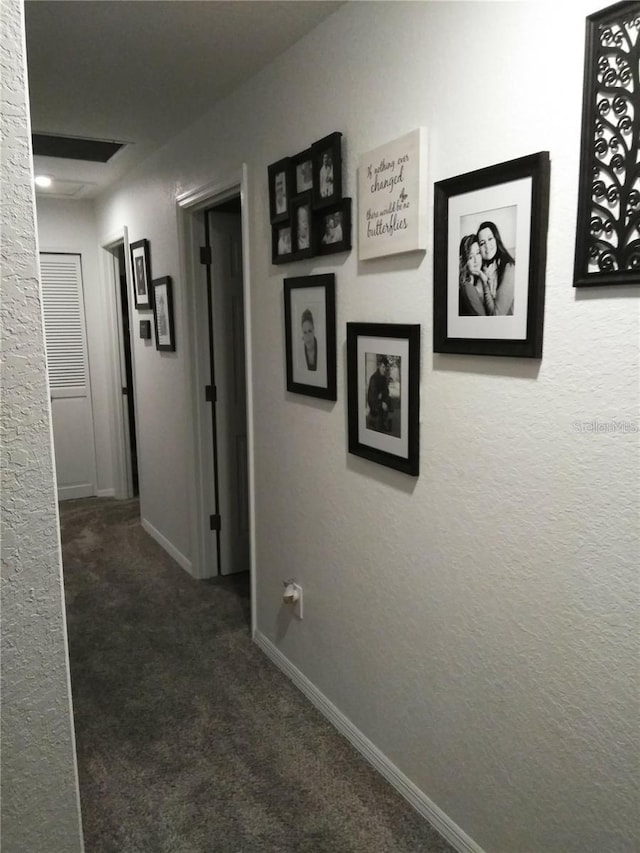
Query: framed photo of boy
(333, 228)
(163, 314)
(141, 271)
(310, 335)
(327, 170)
(383, 379)
(490, 250)
(281, 188)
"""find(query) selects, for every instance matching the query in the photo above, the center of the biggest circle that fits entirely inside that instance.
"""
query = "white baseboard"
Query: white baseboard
(106, 493)
(171, 549)
(426, 807)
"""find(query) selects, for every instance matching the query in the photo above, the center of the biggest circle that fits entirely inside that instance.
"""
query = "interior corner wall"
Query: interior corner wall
(40, 801)
(478, 624)
(67, 225)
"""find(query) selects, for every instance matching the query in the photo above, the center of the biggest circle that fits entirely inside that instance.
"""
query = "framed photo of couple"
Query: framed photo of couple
(310, 335)
(383, 378)
(490, 249)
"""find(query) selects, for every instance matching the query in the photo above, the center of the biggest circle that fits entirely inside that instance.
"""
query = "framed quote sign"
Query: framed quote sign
(392, 202)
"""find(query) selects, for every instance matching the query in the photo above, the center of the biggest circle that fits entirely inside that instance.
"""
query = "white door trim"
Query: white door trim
(120, 437)
(190, 207)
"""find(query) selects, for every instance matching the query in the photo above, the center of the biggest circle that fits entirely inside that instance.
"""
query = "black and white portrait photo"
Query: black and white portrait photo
(163, 314)
(309, 306)
(333, 232)
(326, 156)
(280, 185)
(141, 279)
(304, 175)
(141, 271)
(301, 226)
(487, 263)
(383, 384)
(284, 240)
(383, 403)
(326, 184)
(490, 247)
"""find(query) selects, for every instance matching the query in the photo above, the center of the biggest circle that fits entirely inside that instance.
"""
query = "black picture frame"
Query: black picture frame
(303, 172)
(310, 318)
(303, 232)
(280, 189)
(327, 170)
(383, 425)
(332, 226)
(281, 243)
(608, 222)
(496, 308)
(141, 274)
(163, 314)
(145, 330)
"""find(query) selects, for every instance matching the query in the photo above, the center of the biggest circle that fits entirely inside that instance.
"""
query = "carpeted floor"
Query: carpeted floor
(180, 718)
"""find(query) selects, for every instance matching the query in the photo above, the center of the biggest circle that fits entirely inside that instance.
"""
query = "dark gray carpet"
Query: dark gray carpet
(180, 718)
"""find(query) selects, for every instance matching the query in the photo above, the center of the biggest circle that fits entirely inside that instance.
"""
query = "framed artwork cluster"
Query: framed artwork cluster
(308, 214)
(152, 295)
(383, 371)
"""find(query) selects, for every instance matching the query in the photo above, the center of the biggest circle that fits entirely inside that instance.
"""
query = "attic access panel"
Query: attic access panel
(74, 147)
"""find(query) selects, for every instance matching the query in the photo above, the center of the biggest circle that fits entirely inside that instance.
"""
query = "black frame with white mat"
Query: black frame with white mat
(383, 378)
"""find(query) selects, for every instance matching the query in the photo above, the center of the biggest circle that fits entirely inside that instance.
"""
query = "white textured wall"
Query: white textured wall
(69, 226)
(478, 624)
(40, 808)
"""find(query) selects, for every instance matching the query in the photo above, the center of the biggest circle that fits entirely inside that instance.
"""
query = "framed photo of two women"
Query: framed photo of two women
(490, 249)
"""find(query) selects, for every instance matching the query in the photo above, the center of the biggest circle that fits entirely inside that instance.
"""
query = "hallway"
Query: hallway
(189, 739)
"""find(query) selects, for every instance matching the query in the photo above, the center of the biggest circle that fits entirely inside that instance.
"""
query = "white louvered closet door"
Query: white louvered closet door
(66, 342)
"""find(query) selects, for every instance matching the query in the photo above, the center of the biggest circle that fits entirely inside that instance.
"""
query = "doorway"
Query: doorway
(69, 374)
(127, 372)
(226, 389)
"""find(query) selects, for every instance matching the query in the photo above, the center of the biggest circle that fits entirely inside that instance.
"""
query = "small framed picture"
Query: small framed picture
(333, 228)
(280, 189)
(163, 314)
(383, 377)
(490, 250)
(281, 243)
(302, 233)
(327, 170)
(303, 172)
(141, 270)
(310, 335)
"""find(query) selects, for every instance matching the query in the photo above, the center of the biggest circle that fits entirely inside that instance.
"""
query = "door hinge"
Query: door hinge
(125, 390)
(206, 256)
(214, 522)
(210, 393)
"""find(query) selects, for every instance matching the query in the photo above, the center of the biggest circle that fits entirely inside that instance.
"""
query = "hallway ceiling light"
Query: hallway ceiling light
(43, 181)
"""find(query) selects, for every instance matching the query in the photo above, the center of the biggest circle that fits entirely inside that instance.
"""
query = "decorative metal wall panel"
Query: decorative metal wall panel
(608, 231)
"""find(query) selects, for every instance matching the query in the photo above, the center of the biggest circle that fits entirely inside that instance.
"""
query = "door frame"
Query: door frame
(190, 212)
(122, 480)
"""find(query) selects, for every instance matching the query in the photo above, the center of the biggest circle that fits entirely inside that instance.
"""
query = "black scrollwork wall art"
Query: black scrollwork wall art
(608, 232)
